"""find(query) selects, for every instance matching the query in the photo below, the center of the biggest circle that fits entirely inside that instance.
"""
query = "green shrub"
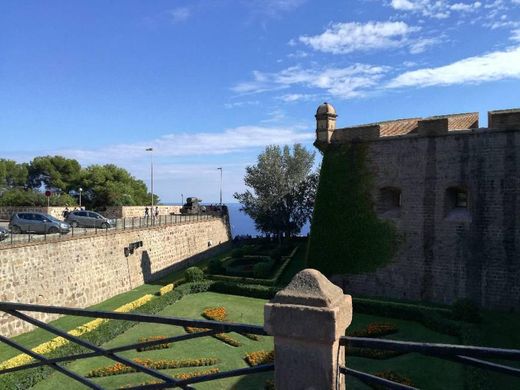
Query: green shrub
(215, 266)
(194, 274)
(246, 290)
(262, 270)
(466, 310)
(240, 252)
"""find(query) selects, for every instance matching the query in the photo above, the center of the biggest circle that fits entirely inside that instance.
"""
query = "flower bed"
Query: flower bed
(392, 376)
(259, 357)
(166, 289)
(58, 342)
(375, 330)
(120, 368)
(152, 347)
(373, 353)
(215, 313)
(220, 336)
(180, 376)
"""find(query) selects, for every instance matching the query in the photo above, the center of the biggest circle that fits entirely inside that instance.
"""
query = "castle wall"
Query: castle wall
(450, 254)
(82, 271)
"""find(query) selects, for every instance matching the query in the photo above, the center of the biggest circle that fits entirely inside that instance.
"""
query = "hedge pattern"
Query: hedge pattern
(259, 357)
(153, 347)
(163, 364)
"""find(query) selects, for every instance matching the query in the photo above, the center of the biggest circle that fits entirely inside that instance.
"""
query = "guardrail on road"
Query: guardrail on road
(118, 224)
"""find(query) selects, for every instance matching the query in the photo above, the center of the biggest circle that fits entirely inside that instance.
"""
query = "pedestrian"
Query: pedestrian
(146, 212)
(66, 212)
(156, 211)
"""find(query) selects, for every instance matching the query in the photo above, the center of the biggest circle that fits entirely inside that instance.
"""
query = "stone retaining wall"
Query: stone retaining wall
(82, 271)
(137, 211)
(7, 211)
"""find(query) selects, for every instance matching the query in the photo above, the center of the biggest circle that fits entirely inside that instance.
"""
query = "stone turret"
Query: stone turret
(325, 122)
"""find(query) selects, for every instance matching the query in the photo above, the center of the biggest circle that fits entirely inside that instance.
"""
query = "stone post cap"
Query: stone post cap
(309, 288)
(309, 308)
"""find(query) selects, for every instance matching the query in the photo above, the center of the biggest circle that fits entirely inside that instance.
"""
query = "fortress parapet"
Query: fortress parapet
(327, 133)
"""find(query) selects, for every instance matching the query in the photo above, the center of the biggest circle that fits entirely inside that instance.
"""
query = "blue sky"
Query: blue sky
(209, 83)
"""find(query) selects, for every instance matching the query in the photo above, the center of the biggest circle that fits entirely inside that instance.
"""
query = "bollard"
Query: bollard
(307, 319)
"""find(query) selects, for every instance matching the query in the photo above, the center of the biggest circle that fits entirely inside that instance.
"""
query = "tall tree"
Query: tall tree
(109, 185)
(12, 174)
(55, 173)
(282, 190)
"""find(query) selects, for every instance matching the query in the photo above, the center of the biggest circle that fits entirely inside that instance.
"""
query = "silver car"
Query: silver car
(32, 222)
(4, 233)
(88, 219)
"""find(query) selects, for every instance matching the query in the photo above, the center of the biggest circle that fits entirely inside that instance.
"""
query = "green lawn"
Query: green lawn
(240, 309)
(422, 370)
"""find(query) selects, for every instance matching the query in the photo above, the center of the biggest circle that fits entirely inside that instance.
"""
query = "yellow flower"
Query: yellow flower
(166, 289)
(80, 330)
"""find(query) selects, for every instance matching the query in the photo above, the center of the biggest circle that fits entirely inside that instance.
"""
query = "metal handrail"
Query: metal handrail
(209, 328)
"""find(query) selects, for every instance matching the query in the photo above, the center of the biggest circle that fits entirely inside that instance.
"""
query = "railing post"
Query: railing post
(307, 319)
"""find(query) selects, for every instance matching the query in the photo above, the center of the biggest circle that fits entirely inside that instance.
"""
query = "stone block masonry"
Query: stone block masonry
(83, 271)
(453, 191)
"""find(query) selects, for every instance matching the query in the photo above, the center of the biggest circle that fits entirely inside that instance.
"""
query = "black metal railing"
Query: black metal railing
(27, 233)
(465, 354)
(468, 355)
(168, 381)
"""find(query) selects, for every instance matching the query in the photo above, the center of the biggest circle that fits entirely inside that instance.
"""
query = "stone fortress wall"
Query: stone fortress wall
(82, 271)
(451, 248)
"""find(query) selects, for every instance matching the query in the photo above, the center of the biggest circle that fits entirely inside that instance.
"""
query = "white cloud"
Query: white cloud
(296, 97)
(190, 144)
(180, 14)
(403, 5)
(466, 7)
(242, 104)
(342, 38)
(348, 82)
(492, 66)
(432, 8)
(420, 45)
(440, 9)
(515, 35)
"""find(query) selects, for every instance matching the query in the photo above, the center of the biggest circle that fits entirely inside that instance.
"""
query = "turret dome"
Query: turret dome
(326, 108)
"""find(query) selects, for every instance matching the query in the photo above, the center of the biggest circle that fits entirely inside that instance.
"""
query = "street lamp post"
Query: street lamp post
(220, 169)
(80, 191)
(151, 178)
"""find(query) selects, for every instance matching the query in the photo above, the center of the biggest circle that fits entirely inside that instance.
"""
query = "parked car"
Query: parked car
(32, 222)
(4, 233)
(88, 219)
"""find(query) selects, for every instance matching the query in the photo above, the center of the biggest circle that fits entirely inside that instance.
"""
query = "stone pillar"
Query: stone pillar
(307, 318)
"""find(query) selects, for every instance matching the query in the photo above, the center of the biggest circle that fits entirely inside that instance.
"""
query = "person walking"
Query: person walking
(146, 212)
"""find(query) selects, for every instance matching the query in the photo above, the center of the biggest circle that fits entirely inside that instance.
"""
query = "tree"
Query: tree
(109, 185)
(282, 190)
(12, 174)
(55, 173)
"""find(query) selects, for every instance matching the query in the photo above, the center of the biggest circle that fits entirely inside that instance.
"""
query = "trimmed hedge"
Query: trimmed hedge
(264, 282)
(194, 274)
(436, 319)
